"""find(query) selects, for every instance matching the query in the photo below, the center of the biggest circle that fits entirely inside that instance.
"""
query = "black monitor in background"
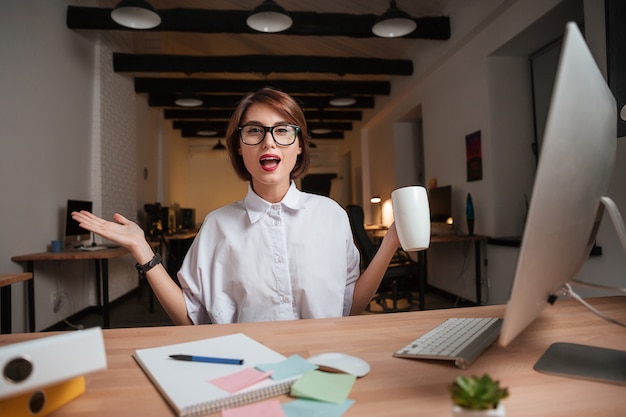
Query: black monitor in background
(440, 202)
(569, 196)
(74, 234)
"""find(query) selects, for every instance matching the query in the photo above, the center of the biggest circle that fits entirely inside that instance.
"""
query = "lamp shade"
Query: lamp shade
(136, 14)
(206, 132)
(188, 99)
(342, 99)
(321, 130)
(219, 146)
(393, 23)
(269, 17)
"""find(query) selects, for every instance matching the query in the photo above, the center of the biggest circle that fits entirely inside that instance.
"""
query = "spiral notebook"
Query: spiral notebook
(185, 385)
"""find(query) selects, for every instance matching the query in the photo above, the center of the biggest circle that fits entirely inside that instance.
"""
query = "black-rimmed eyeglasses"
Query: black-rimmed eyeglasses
(283, 135)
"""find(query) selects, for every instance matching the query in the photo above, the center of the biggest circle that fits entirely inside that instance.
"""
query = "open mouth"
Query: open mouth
(269, 162)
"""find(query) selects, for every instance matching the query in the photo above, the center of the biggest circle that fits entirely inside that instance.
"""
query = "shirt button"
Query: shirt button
(285, 299)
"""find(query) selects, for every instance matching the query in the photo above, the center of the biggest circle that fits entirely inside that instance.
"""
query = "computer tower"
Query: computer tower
(188, 219)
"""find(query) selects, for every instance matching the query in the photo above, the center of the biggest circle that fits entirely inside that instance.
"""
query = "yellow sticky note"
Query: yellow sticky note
(323, 386)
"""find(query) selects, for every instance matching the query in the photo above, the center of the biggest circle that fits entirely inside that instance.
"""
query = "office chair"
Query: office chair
(402, 268)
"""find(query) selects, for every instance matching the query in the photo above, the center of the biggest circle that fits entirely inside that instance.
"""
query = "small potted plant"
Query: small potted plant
(477, 396)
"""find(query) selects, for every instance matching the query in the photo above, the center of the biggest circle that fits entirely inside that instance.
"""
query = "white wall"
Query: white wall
(466, 87)
(69, 125)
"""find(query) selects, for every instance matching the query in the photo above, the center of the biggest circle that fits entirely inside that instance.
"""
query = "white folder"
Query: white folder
(37, 363)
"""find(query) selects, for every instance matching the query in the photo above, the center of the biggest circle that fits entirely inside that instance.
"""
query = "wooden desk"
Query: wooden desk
(101, 259)
(6, 280)
(396, 387)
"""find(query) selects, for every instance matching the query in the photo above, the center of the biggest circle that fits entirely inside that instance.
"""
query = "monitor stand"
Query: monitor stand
(586, 362)
(589, 362)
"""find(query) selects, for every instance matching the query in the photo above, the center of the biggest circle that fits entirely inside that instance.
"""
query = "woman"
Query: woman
(279, 253)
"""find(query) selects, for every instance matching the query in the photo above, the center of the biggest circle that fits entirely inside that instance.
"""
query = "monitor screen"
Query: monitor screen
(440, 202)
(73, 232)
(575, 166)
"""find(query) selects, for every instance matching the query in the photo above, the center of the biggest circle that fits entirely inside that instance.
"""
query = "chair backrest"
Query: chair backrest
(363, 242)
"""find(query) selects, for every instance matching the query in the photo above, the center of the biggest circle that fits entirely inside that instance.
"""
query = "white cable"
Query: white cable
(598, 286)
(567, 289)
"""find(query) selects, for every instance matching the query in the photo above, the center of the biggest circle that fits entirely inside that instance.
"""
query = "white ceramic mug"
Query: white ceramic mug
(411, 213)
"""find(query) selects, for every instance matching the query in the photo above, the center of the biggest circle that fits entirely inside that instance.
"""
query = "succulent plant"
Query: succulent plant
(477, 393)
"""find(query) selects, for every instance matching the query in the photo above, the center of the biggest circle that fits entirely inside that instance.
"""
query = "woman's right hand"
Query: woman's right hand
(123, 231)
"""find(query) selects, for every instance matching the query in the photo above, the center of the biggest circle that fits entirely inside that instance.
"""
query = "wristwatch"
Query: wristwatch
(143, 269)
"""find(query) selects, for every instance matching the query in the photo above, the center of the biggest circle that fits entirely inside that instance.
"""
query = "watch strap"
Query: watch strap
(143, 269)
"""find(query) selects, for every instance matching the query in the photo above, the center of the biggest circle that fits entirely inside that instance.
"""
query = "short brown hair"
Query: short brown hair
(283, 104)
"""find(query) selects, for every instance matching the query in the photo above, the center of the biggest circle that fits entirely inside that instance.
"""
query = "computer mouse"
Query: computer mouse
(341, 362)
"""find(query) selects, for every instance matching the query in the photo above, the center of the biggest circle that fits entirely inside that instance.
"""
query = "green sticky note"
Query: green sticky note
(312, 408)
(323, 386)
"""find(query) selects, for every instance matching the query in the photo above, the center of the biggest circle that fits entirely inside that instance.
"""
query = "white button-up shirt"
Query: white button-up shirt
(257, 261)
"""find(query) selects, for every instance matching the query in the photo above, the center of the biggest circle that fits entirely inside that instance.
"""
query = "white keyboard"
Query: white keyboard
(460, 340)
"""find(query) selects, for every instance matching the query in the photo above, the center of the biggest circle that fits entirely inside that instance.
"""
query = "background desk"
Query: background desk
(101, 259)
(377, 232)
(6, 280)
(177, 247)
(478, 240)
(394, 387)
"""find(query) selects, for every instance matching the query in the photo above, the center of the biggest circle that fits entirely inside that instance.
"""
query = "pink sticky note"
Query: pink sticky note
(240, 380)
(271, 408)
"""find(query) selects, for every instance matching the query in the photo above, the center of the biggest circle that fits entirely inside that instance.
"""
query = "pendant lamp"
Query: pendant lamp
(269, 17)
(342, 99)
(219, 146)
(393, 23)
(188, 99)
(136, 14)
(321, 130)
(206, 132)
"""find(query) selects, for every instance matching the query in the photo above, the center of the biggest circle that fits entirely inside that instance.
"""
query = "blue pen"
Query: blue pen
(192, 358)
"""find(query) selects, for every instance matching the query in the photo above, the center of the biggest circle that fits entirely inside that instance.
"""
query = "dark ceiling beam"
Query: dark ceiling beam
(191, 133)
(331, 135)
(199, 125)
(176, 85)
(234, 21)
(329, 115)
(221, 126)
(261, 64)
(230, 101)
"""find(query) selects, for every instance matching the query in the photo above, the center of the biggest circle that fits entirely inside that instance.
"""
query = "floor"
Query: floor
(133, 310)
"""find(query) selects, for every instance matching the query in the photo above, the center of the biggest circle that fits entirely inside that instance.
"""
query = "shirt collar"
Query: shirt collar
(257, 207)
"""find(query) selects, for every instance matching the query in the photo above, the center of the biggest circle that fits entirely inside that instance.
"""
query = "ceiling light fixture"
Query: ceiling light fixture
(219, 146)
(269, 17)
(188, 99)
(136, 14)
(394, 23)
(342, 99)
(321, 130)
(206, 132)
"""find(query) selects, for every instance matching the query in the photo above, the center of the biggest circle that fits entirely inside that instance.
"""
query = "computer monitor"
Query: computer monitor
(575, 166)
(440, 202)
(74, 234)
